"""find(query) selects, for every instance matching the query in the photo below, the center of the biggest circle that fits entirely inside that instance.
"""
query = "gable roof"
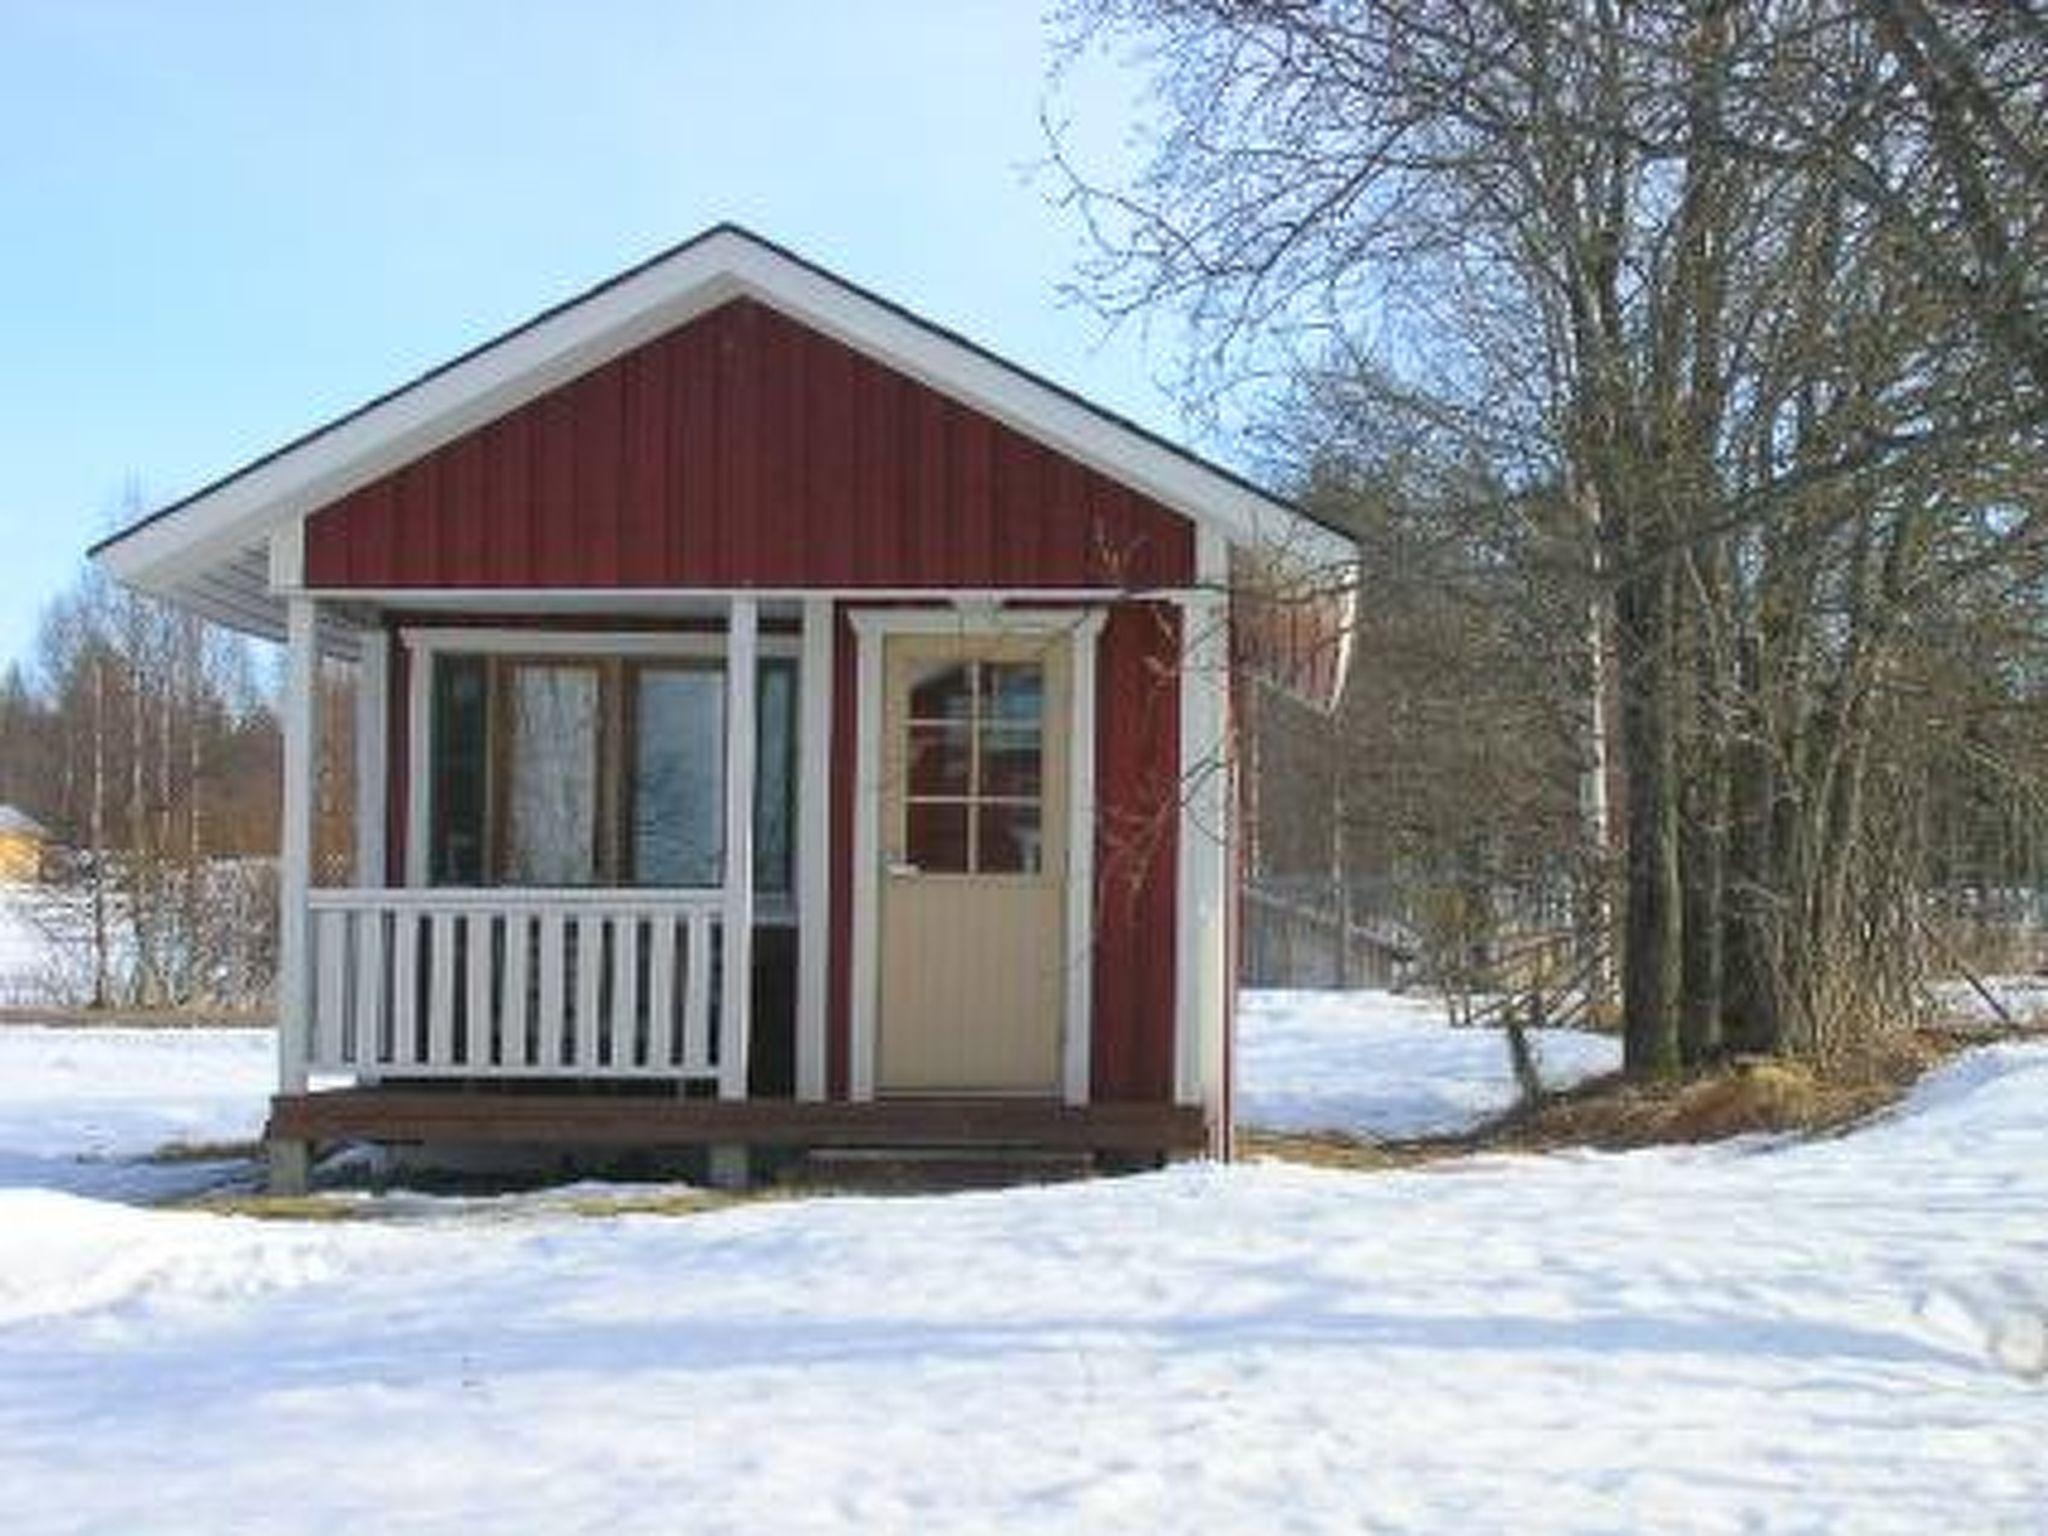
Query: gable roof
(209, 551)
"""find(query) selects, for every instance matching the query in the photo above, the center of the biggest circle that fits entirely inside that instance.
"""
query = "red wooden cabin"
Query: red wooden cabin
(960, 639)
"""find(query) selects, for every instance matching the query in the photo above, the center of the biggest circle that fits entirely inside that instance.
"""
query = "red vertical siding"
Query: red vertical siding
(1136, 853)
(744, 449)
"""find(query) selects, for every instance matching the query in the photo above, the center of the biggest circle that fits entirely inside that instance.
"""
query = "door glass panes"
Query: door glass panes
(943, 692)
(678, 783)
(941, 757)
(974, 752)
(551, 784)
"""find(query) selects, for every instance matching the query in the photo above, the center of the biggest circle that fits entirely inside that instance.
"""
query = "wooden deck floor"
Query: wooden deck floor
(456, 1116)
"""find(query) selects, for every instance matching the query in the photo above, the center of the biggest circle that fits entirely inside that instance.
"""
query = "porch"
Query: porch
(481, 938)
(498, 972)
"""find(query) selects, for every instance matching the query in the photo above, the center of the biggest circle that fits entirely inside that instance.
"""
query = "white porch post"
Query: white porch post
(295, 841)
(735, 1001)
(814, 845)
(1082, 745)
(1201, 938)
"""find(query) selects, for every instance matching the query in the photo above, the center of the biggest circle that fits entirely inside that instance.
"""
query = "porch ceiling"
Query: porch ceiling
(237, 594)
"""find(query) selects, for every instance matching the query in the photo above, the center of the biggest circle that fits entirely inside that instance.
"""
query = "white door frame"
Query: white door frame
(872, 627)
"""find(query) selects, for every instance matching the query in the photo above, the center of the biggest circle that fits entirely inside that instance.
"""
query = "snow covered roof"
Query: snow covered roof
(210, 551)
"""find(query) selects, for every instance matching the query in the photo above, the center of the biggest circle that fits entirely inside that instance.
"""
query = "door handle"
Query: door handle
(903, 867)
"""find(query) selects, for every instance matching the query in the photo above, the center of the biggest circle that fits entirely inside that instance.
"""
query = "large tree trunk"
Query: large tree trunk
(1651, 957)
(1749, 993)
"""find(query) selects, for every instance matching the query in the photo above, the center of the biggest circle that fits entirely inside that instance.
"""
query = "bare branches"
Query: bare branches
(1729, 320)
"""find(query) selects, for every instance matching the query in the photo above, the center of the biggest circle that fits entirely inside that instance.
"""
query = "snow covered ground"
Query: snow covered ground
(33, 965)
(2023, 999)
(1839, 1335)
(81, 1108)
(1377, 1064)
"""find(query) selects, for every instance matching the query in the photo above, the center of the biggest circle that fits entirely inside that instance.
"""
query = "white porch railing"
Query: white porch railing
(517, 983)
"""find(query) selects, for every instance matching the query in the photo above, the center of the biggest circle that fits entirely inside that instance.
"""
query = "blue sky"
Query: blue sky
(221, 224)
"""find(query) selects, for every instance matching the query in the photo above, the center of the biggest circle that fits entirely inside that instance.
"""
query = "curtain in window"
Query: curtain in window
(551, 789)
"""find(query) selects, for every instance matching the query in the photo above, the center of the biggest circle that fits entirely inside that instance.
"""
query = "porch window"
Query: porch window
(550, 771)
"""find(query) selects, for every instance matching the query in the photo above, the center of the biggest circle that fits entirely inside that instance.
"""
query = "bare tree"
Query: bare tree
(1674, 268)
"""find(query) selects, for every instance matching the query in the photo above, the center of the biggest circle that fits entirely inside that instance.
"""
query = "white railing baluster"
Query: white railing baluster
(553, 1014)
(661, 992)
(330, 992)
(623, 1015)
(589, 987)
(479, 1018)
(372, 986)
(405, 994)
(514, 1014)
(444, 982)
(697, 997)
(441, 993)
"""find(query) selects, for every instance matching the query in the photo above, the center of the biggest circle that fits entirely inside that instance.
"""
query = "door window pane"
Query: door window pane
(1012, 692)
(935, 837)
(1008, 840)
(551, 787)
(678, 789)
(1010, 762)
(943, 692)
(941, 757)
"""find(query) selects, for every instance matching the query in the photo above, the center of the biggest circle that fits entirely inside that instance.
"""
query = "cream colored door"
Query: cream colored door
(974, 861)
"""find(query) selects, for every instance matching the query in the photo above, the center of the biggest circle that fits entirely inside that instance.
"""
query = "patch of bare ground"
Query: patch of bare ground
(1747, 1096)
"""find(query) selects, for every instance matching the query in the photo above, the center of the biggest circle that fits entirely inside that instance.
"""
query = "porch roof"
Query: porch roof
(211, 551)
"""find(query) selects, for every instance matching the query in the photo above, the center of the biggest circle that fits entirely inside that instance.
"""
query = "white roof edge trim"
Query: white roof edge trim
(587, 333)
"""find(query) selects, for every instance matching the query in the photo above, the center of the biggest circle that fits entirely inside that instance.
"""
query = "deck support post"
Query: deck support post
(727, 1165)
(735, 1006)
(288, 1166)
(295, 841)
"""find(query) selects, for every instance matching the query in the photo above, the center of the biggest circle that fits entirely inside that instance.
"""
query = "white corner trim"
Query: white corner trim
(288, 556)
(814, 848)
(295, 843)
(1201, 930)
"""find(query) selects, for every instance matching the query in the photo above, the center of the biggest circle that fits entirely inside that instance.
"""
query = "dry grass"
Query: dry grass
(347, 1206)
(1746, 1097)
(173, 1153)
